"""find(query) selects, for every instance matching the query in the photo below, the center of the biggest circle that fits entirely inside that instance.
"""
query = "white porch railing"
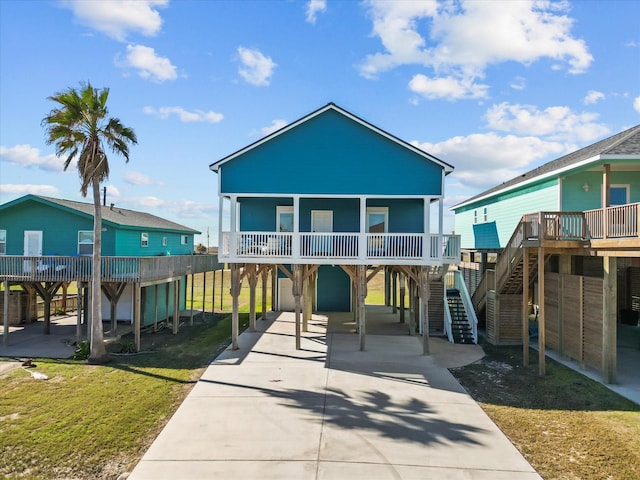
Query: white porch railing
(353, 247)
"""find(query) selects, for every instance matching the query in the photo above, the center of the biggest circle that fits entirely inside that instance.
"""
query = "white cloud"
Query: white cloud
(256, 68)
(464, 38)
(636, 104)
(518, 83)
(446, 87)
(314, 7)
(137, 178)
(28, 156)
(115, 18)
(19, 190)
(184, 115)
(556, 122)
(593, 96)
(174, 208)
(149, 65)
(276, 125)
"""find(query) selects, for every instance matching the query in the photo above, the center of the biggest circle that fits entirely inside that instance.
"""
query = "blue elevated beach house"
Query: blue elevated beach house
(328, 200)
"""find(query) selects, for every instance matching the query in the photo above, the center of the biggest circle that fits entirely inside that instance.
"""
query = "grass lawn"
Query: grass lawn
(565, 424)
(96, 422)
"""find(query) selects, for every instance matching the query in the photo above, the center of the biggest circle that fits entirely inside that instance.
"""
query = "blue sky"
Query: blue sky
(494, 88)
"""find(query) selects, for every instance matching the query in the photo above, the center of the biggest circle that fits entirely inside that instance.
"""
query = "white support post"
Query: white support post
(362, 236)
(295, 241)
(426, 249)
(79, 314)
(233, 228)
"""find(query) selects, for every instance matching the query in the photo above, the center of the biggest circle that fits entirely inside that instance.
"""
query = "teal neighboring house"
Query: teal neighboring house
(61, 232)
(560, 246)
(574, 182)
(327, 197)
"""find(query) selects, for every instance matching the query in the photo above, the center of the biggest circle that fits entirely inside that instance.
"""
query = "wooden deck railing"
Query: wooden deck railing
(614, 222)
(348, 247)
(112, 269)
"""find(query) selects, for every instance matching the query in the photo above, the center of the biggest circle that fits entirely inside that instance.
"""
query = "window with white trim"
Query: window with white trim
(185, 239)
(475, 216)
(164, 241)
(144, 239)
(618, 195)
(485, 215)
(3, 242)
(85, 242)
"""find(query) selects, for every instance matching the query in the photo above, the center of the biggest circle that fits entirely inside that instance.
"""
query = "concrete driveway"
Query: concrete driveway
(329, 411)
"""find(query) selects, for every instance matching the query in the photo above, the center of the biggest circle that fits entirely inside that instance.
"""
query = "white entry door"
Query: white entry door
(32, 246)
(33, 243)
(322, 221)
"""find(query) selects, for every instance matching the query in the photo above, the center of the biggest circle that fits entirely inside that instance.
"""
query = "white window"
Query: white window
(485, 214)
(164, 241)
(285, 218)
(185, 239)
(377, 219)
(3, 242)
(85, 242)
(144, 239)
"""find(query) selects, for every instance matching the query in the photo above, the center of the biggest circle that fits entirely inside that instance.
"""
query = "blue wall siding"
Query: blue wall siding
(506, 210)
(259, 214)
(333, 292)
(575, 199)
(128, 243)
(331, 154)
(60, 228)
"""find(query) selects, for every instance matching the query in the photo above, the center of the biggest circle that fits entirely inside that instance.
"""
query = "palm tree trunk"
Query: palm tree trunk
(98, 352)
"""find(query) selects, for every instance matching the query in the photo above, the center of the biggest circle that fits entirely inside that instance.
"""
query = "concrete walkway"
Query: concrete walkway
(329, 411)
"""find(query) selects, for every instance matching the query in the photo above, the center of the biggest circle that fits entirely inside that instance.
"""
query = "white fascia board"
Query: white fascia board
(544, 176)
(331, 195)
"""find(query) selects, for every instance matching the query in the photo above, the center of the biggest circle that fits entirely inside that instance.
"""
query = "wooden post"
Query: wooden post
(541, 314)
(362, 294)
(79, 315)
(155, 308)
(424, 308)
(213, 294)
(136, 314)
(609, 318)
(274, 287)
(387, 287)
(265, 278)
(297, 292)
(565, 270)
(253, 281)
(307, 307)
(166, 306)
(235, 293)
(5, 322)
(525, 306)
(402, 295)
(204, 292)
(221, 287)
(394, 291)
(193, 283)
(176, 306)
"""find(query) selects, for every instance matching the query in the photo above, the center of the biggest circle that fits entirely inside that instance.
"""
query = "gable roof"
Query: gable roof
(115, 216)
(623, 145)
(332, 106)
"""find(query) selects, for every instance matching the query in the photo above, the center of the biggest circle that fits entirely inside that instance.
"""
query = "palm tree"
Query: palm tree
(79, 127)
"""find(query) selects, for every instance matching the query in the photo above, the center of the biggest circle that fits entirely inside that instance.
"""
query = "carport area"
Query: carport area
(330, 411)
